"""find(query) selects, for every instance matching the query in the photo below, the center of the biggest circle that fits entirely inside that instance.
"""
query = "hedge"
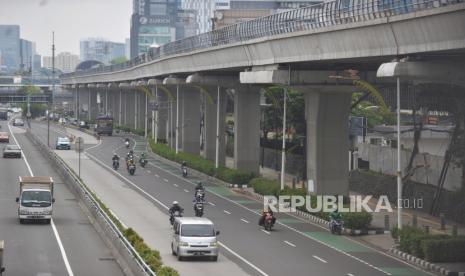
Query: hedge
(201, 164)
(444, 250)
(433, 248)
(359, 220)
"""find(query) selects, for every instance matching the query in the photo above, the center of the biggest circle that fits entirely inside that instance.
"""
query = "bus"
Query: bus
(104, 125)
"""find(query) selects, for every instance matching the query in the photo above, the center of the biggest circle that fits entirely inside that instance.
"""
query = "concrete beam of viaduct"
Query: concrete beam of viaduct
(327, 107)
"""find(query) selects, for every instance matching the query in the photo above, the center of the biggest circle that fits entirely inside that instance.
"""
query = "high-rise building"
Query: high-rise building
(186, 23)
(205, 10)
(152, 22)
(127, 48)
(10, 47)
(100, 50)
(26, 52)
(36, 62)
(65, 62)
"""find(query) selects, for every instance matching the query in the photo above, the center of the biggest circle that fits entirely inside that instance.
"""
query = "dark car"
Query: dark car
(18, 122)
(12, 151)
(83, 124)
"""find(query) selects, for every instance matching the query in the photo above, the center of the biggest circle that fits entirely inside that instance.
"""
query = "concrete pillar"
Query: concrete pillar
(120, 106)
(190, 127)
(210, 120)
(130, 108)
(161, 114)
(93, 106)
(327, 115)
(247, 129)
(135, 95)
(141, 107)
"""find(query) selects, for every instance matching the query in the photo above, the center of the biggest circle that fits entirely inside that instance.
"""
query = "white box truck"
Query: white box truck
(35, 198)
(2, 268)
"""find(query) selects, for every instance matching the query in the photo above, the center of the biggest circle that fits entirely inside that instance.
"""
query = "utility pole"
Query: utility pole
(53, 89)
(399, 170)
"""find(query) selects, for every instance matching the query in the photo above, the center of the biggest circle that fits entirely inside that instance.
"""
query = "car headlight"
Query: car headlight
(185, 244)
(23, 212)
(214, 244)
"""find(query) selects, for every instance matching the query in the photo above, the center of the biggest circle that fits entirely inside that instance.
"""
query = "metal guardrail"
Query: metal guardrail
(87, 195)
(317, 16)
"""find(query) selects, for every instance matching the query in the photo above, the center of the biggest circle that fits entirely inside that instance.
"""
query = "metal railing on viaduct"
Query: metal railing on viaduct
(317, 16)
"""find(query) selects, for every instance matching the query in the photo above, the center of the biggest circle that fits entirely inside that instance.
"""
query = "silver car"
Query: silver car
(194, 237)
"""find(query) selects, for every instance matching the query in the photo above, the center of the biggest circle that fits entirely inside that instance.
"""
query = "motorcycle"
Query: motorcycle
(175, 215)
(198, 208)
(335, 226)
(126, 143)
(200, 194)
(184, 171)
(268, 222)
(115, 164)
(143, 162)
(132, 169)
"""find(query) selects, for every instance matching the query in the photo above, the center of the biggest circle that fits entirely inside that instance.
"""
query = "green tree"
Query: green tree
(375, 114)
(118, 60)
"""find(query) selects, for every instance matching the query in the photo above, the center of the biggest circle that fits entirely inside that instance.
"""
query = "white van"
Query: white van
(194, 237)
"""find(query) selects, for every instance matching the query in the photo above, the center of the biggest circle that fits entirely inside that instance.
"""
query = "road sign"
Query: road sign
(79, 144)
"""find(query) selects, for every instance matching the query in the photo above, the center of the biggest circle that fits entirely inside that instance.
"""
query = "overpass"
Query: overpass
(309, 49)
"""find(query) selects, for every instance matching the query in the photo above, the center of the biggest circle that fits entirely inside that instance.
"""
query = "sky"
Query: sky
(72, 20)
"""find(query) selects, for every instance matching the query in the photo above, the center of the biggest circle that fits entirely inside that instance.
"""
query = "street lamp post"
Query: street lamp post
(399, 172)
(53, 88)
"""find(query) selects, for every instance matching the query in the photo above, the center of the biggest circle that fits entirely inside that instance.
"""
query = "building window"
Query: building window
(157, 9)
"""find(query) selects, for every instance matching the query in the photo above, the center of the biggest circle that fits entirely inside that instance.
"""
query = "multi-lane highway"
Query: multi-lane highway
(294, 247)
(68, 246)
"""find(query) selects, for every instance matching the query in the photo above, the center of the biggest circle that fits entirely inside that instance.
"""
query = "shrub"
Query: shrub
(357, 220)
(451, 249)
(233, 176)
(265, 186)
(167, 271)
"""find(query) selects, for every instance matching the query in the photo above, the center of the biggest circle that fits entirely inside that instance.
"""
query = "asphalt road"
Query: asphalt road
(69, 246)
(294, 247)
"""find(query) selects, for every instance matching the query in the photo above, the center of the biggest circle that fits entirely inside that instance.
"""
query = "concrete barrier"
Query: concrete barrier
(126, 256)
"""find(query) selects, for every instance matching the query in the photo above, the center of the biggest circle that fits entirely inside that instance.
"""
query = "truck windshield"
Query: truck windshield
(197, 230)
(36, 199)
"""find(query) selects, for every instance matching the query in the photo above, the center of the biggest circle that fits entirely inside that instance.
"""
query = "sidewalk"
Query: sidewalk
(143, 216)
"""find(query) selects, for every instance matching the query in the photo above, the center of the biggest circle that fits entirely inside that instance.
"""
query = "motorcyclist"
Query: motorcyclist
(264, 213)
(126, 142)
(334, 217)
(199, 189)
(175, 208)
(130, 155)
(143, 157)
(183, 164)
(115, 157)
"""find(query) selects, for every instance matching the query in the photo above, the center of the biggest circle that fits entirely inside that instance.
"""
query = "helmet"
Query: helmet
(199, 183)
(175, 202)
(131, 152)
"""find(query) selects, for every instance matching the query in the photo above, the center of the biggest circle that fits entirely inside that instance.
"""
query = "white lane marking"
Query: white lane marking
(62, 248)
(157, 175)
(164, 179)
(227, 212)
(175, 185)
(319, 259)
(266, 232)
(186, 190)
(52, 223)
(350, 274)
(246, 221)
(243, 259)
(211, 203)
(300, 232)
(148, 171)
(289, 243)
(167, 208)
